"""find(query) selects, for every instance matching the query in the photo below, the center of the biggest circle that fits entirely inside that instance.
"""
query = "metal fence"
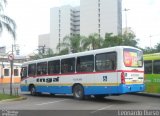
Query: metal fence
(5, 89)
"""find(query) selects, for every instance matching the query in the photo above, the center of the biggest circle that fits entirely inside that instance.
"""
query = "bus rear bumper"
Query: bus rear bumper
(123, 88)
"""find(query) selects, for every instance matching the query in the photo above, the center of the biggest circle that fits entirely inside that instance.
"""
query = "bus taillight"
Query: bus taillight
(123, 78)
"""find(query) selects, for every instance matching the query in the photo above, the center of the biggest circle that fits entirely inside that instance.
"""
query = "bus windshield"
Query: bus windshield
(133, 57)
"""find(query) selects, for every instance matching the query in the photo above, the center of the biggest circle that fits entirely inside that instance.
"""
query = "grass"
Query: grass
(5, 96)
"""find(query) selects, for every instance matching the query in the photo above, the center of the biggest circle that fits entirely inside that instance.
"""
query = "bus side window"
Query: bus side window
(68, 65)
(148, 67)
(32, 69)
(54, 67)
(85, 63)
(42, 68)
(106, 61)
(156, 67)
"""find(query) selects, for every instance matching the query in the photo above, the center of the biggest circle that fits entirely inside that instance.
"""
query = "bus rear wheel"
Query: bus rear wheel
(78, 92)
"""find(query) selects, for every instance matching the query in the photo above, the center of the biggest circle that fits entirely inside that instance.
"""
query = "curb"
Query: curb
(14, 99)
(147, 94)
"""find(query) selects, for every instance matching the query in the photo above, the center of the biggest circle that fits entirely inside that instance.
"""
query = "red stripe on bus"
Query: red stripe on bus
(77, 73)
(135, 71)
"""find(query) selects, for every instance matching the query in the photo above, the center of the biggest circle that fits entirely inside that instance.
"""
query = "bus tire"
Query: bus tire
(78, 92)
(33, 91)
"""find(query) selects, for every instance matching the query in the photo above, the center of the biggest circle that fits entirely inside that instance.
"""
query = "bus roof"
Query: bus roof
(110, 49)
(154, 56)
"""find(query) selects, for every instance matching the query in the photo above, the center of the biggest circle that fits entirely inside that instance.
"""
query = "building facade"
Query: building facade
(64, 21)
(101, 16)
(93, 16)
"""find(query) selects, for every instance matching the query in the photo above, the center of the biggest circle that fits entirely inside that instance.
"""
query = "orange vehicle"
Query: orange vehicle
(5, 73)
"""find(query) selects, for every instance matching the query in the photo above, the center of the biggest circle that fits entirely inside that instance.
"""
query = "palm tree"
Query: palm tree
(94, 41)
(112, 40)
(71, 44)
(5, 21)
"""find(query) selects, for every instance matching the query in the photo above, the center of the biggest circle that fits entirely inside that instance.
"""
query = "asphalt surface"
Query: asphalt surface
(66, 105)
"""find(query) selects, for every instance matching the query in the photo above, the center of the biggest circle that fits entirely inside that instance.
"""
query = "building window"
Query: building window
(6, 72)
(59, 11)
(16, 72)
(99, 15)
(99, 20)
(99, 10)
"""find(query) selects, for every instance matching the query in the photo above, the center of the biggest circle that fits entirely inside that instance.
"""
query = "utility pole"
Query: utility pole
(11, 58)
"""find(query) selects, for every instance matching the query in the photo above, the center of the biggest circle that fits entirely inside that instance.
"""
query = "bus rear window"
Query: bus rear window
(133, 57)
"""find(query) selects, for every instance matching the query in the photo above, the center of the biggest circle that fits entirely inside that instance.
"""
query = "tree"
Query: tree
(93, 41)
(70, 44)
(48, 53)
(149, 50)
(111, 40)
(5, 21)
(157, 47)
(129, 39)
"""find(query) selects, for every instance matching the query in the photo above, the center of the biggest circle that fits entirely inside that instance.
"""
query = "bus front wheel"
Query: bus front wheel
(33, 91)
(78, 92)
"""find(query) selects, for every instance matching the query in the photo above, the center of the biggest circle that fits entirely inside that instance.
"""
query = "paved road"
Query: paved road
(61, 103)
(66, 106)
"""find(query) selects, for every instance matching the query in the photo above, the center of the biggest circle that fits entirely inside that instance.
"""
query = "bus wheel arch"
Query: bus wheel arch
(32, 89)
(78, 91)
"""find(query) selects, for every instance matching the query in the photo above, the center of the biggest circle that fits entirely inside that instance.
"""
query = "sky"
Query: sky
(32, 19)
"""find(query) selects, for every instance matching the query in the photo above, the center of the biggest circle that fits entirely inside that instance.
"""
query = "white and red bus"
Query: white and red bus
(109, 71)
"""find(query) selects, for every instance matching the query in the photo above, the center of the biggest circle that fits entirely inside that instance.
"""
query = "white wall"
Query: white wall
(44, 40)
(88, 17)
(109, 17)
(59, 21)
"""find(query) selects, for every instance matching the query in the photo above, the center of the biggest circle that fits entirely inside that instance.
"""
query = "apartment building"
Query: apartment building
(100, 16)
(93, 16)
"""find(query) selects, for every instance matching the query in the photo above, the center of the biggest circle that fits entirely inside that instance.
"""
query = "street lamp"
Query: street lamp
(126, 17)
